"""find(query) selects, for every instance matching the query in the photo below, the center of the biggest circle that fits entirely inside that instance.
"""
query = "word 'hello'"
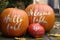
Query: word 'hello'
(16, 20)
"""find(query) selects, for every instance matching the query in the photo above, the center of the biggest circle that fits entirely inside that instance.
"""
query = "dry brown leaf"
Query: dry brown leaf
(55, 35)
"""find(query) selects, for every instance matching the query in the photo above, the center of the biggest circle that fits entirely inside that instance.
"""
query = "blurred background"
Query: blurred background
(22, 4)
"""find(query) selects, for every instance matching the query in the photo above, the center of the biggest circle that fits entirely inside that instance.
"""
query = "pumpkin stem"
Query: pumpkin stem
(35, 1)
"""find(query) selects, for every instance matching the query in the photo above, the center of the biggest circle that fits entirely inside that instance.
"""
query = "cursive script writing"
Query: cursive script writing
(16, 20)
(38, 16)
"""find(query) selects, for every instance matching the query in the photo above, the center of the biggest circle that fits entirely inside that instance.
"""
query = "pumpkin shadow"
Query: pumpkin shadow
(3, 37)
(26, 35)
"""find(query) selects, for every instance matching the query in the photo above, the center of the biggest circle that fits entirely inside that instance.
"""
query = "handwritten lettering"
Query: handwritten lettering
(16, 20)
(36, 28)
(40, 14)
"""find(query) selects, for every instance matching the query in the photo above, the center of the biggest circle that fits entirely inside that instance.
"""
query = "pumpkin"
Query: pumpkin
(14, 22)
(36, 30)
(41, 13)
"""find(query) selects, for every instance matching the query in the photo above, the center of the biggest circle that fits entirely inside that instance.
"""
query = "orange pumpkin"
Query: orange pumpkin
(14, 22)
(41, 13)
